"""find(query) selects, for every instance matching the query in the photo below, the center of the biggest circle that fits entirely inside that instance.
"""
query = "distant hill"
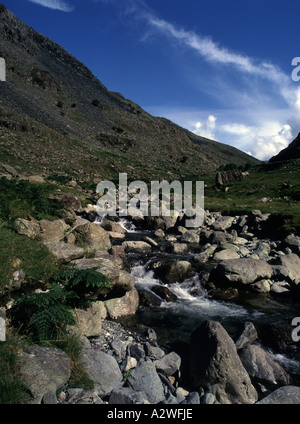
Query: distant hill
(291, 152)
(56, 117)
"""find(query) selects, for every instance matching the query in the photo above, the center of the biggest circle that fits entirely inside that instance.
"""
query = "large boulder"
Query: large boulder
(215, 365)
(53, 231)
(103, 370)
(92, 237)
(291, 263)
(43, 370)
(222, 223)
(64, 252)
(262, 368)
(173, 271)
(125, 306)
(89, 321)
(287, 395)
(241, 271)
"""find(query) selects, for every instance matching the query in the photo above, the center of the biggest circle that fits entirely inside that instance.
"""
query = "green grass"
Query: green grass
(12, 391)
(20, 252)
(21, 199)
(281, 186)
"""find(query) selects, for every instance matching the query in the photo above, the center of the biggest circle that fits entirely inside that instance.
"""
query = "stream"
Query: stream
(174, 322)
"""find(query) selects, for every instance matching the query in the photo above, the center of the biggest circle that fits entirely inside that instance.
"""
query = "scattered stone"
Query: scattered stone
(169, 364)
(225, 254)
(127, 396)
(262, 286)
(140, 247)
(190, 237)
(280, 287)
(208, 399)
(180, 248)
(223, 223)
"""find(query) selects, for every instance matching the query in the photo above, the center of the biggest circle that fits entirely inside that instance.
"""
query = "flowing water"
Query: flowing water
(174, 322)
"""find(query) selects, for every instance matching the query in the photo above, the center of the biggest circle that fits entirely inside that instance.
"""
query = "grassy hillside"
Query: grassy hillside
(271, 188)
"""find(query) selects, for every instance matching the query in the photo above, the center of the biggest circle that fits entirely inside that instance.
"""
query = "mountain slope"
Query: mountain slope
(57, 117)
(290, 152)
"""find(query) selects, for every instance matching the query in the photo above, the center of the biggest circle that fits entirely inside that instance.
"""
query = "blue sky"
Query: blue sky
(220, 68)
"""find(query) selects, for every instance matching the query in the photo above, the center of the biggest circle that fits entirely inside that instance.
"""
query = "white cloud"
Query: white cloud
(207, 128)
(211, 51)
(54, 4)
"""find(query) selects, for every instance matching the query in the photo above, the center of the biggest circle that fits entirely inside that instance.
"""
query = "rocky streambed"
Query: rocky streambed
(195, 316)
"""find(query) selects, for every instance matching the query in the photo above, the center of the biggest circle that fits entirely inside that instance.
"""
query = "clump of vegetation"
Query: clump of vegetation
(72, 345)
(87, 284)
(20, 252)
(43, 316)
(12, 391)
(20, 199)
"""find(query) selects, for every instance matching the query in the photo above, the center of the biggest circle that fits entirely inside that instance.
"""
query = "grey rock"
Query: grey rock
(243, 271)
(145, 378)
(44, 369)
(280, 287)
(169, 364)
(216, 366)
(248, 336)
(261, 366)
(136, 351)
(154, 352)
(49, 399)
(64, 252)
(127, 396)
(225, 177)
(140, 247)
(124, 306)
(223, 223)
(208, 399)
(103, 369)
(192, 398)
(190, 237)
(262, 286)
(287, 395)
(180, 248)
(165, 293)
(92, 237)
(292, 264)
(226, 254)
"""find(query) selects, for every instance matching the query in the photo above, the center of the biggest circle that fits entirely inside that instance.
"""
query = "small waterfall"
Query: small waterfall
(127, 225)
